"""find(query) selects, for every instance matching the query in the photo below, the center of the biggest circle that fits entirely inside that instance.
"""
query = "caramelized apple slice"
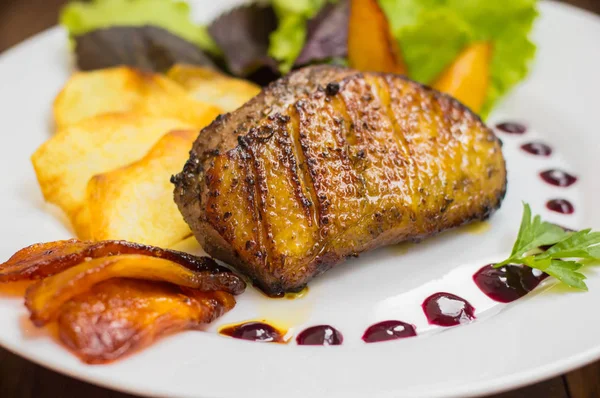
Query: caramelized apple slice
(44, 298)
(45, 259)
(371, 45)
(468, 78)
(120, 316)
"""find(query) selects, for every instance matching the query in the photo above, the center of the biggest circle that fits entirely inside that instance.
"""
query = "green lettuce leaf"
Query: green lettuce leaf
(80, 18)
(507, 24)
(287, 40)
(432, 32)
(512, 55)
(433, 43)
(289, 37)
(308, 8)
(489, 18)
(403, 13)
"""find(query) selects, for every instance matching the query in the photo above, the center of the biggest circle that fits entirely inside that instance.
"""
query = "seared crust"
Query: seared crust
(328, 163)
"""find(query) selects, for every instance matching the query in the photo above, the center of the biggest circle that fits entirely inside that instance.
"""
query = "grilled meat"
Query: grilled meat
(327, 163)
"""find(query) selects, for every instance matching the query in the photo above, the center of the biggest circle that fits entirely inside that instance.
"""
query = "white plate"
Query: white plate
(537, 337)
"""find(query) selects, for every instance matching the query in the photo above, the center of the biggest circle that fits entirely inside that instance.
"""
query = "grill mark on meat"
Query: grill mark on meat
(392, 105)
(396, 141)
(213, 212)
(422, 148)
(342, 118)
(255, 184)
(377, 159)
(303, 185)
(304, 156)
(350, 139)
(375, 153)
(402, 161)
(357, 183)
(363, 153)
(328, 162)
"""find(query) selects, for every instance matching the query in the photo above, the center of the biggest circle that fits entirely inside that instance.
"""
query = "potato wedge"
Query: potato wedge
(44, 298)
(371, 44)
(212, 87)
(121, 316)
(126, 89)
(65, 163)
(135, 202)
(42, 260)
(468, 78)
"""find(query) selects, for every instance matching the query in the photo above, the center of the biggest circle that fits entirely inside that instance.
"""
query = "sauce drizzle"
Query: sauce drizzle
(558, 178)
(508, 283)
(447, 309)
(537, 149)
(254, 331)
(512, 128)
(320, 335)
(388, 330)
(562, 206)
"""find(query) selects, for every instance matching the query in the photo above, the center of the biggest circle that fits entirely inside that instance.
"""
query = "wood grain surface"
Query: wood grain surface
(19, 378)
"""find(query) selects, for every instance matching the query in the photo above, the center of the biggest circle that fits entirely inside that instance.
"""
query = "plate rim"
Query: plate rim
(489, 386)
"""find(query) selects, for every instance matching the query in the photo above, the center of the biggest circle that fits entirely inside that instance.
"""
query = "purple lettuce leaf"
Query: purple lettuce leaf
(148, 48)
(327, 34)
(242, 34)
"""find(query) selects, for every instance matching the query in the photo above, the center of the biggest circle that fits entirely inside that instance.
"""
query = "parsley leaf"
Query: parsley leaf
(566, 272)
(571, 246)
(533, 234)
(579, 244)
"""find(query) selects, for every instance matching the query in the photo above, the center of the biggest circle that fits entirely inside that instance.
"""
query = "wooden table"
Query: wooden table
(20, 378)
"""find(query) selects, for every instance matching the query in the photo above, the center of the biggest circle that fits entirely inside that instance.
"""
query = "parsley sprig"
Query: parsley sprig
(562, 259)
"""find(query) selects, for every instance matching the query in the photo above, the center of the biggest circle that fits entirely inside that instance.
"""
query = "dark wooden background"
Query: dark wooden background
(20, 378)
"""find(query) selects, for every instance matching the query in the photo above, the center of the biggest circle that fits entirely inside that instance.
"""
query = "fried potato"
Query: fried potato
(80, 221)
(42, 260)
(125, 89)
(371, 44)
(45, 297)
(212, 87)
(118, 317)
(65, 163)
(135, 202)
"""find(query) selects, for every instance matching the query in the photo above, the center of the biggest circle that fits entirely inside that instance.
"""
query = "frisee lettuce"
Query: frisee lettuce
(172, 15)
